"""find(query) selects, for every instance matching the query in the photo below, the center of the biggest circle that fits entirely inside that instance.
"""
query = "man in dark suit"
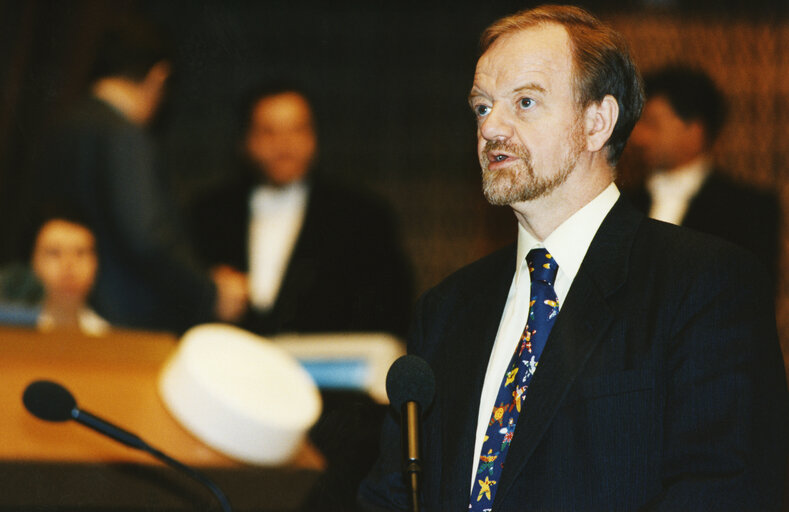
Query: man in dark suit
(318, 256)
(660, 385)
(683, 115)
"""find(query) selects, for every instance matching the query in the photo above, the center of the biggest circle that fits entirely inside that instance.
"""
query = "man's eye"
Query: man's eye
(526, 102)
(481, 110)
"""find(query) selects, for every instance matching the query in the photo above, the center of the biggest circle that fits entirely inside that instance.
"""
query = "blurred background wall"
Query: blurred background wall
(390, 83)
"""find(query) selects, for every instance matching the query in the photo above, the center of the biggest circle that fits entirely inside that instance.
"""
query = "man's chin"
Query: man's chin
(499, 197)
(500, 189)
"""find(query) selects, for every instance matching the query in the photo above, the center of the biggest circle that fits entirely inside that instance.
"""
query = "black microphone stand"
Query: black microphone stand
(124, 436)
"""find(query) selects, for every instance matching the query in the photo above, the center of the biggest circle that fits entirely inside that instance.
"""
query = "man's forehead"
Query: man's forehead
(531, 53)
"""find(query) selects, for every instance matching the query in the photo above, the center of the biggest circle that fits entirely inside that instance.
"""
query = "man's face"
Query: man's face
(281, 139)
(529, 127)
(663, 139)
(64, 259)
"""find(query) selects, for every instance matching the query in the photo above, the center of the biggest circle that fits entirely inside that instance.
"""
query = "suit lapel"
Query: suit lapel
(703, 206)
(464, 360)
(580, 327)
(303, 267)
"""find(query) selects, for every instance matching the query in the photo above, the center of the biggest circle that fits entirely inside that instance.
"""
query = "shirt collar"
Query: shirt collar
(266, 199)
(569, 242)
(684, 180)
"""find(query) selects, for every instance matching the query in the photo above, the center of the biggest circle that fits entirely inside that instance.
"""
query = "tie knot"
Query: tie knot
(542, 266)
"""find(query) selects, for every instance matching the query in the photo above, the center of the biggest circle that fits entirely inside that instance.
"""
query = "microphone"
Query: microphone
(411, 385)
(50, 401)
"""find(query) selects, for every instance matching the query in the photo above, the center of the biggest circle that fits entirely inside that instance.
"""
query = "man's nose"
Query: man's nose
(69, 262)
(497, 125)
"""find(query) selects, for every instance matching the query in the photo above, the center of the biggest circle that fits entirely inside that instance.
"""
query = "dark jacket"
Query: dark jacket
(661, 385)
(347, 271)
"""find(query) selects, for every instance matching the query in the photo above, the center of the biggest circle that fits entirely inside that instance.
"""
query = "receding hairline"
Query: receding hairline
(562, 15)
(56, 222)
(280, 95)
(569, 45)
(294, 99)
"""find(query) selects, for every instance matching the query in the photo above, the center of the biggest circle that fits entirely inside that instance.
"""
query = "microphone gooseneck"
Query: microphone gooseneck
(411, 386)
(50, 401)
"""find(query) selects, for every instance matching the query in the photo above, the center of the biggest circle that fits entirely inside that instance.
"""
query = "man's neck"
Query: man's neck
(541, 216)
(63, 313)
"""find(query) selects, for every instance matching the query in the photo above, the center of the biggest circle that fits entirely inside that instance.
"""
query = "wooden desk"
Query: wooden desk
(114, 377)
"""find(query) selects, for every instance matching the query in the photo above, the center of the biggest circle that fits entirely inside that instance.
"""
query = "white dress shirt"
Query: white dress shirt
(277, 214)
(568, 245)
(673, 190)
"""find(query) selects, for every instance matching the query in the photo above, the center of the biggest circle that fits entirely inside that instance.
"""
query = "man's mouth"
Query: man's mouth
(495, 157)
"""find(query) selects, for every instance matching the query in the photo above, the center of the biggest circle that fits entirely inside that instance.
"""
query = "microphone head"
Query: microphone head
(410, 379)
(48, 401)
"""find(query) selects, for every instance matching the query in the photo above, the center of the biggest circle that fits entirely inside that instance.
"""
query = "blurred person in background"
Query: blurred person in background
(100, 158)
(318, 256)
(51, 290)
(64, 260)
(683, 116)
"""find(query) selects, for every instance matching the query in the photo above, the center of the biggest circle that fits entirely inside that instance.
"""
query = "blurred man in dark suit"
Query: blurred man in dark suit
(683, 116)
(317, 256)
(605, 361)
(101, 160)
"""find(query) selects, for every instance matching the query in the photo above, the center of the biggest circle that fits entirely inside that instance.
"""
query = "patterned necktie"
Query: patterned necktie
(543, 308)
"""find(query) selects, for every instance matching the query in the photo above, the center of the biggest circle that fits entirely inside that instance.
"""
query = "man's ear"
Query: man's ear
(600, 119)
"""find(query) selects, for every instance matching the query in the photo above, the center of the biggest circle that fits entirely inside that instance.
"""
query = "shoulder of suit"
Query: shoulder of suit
(736, 189)
(91, 111)
(687, 250)
(359, 206)
(227, 193)
(480, 274)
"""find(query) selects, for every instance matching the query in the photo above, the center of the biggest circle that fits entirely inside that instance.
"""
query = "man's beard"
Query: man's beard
(518, 182)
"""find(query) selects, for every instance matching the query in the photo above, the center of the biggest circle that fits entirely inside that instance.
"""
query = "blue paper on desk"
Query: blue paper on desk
(338, 373)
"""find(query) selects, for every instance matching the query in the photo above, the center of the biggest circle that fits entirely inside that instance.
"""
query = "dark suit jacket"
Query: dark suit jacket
(346, 273)
(104, 165)
(660, 387)
(742, 214)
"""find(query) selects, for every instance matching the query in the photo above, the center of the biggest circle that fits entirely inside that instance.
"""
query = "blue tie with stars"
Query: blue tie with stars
(543, 308)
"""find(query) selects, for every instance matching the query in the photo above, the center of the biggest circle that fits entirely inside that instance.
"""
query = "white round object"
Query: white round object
(240, 394)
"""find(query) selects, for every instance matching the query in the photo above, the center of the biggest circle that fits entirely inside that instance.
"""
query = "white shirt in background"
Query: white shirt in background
(673, 190)
(277, 214)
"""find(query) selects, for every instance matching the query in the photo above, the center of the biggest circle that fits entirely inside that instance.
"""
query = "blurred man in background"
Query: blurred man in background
(101, 159)
(682, 118)
(318, 256)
